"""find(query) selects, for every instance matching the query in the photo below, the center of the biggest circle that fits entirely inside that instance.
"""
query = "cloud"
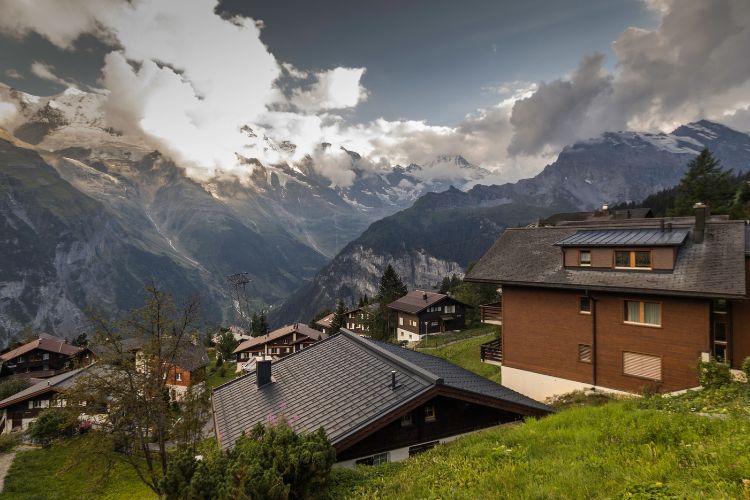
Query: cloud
(13, 73)
(7, 113)
(333, 89)
(46, 72)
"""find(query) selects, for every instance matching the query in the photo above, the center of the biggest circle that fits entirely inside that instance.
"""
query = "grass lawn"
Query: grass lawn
(71, 469)
(214, 376)
(440, 340)
(618, 450)
(466, 354)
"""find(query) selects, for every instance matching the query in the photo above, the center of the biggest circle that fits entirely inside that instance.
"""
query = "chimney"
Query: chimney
(669, 227)
(605, 209)
(393, 379)
(424, 295)
(263, 372)
(701, 214)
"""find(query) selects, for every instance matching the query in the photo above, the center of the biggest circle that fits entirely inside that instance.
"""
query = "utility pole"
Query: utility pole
(240, 301)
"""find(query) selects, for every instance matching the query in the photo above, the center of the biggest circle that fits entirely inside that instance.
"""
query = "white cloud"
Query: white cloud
(46, 72)
(7, 113)
(13, 73)
(333, 89)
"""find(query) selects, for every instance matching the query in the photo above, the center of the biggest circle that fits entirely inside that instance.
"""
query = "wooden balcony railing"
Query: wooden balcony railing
(491, 313)
(491, 351)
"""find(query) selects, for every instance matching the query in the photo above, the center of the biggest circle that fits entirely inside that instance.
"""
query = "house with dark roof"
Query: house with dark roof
(276, 344)
(355, 321)
(22, 408)
(423, 313)
(377, 402)
(626, 304)
(602, 215)
(42, 357)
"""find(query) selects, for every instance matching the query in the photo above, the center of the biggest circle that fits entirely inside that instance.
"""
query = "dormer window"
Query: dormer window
(633, 259)
(584, 258)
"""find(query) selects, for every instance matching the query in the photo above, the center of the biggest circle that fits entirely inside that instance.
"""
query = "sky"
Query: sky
(506, 84)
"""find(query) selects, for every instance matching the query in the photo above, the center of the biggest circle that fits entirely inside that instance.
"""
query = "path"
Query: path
(6, 459)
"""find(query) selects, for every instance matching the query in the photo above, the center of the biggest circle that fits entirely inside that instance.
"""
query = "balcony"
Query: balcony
(491, 313)
(491, 352)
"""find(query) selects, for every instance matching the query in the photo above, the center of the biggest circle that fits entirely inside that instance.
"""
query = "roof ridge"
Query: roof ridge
(394, 358)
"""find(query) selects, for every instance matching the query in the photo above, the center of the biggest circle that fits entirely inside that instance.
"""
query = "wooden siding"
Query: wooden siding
(542, 330)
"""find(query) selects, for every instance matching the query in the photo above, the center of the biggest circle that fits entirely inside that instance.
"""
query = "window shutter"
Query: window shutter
(584, 353)
(641, 365)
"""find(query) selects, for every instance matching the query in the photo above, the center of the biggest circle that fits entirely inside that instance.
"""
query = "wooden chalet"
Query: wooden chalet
(356, 321)
(278, 343)
(43, 357)
(423, 313)
(398, 402)
(624, 304)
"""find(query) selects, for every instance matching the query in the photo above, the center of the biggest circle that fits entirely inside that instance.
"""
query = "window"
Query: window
(406, 420)
(584, 353)
(376, 459)
(178, 377)
(450, 309)
(429, 413)
(641, 365)
(643, 313)
(39, 403)
(632, 259)
(584, 305)
(401, 320)
(45, 355)
(584, 258)
(720, 306)
(415, 450)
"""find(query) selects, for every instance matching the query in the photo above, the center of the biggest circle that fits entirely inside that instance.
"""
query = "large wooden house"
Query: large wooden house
(421, 313)
(356, 320)
(377, 402)
(278, 343)
(624, 305)
(43, 357)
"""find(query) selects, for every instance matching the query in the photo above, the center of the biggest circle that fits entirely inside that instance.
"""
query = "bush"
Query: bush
(9, 441)
(219, 360)
(50, 425)
(273, 462)
(12, 386)
(714, 374)
(746, 368)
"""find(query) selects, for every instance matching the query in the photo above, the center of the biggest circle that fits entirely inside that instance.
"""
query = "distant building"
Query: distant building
(602, 215)
(278, 343)
(356, 321)
(377, 402)
(620, 304)
(43, 357)
(423, 313)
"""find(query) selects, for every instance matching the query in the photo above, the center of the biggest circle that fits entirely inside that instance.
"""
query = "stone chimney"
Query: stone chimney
(701, 215)
(263, 372)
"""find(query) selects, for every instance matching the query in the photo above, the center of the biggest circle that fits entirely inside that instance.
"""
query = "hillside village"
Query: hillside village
(608, 314)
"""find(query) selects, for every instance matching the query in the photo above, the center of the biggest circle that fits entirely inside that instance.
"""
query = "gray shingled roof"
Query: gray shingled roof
(300, 328)
(418, 300)
(343, 384)
(714, 268)
(651, 237)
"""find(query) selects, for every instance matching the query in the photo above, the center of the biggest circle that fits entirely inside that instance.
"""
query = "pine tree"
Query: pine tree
(455, 282)
(445, 285)
(339, 317)
(705, 182)
(392, 287)
(263, 324)
(255, 325)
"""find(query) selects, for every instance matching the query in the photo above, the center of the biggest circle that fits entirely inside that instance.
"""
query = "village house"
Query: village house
(22, 408)
(278, 343)
(356, 321)
(377, 402)
(423, 313)
(626, 305)
(43, 357)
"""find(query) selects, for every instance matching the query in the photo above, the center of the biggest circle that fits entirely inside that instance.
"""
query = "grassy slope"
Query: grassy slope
(214, 377)
(466, 354)
(611, 451)
(71, 469)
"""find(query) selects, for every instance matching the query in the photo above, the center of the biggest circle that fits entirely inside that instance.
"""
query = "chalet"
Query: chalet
(625, 305)
(278, 343)
(423, 313)
(356, 321)
(43, 357)
(22, 408)
(382, 404)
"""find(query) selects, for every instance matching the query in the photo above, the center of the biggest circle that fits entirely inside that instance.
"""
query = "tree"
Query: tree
(259, 324)
(475, 294)
(272, 462)
(10, 386)
(705, 182)
(226, 344)
(339, 317)
(133, 386)
(81, 340)
(445, 285)
(381, 320)
(52, 424)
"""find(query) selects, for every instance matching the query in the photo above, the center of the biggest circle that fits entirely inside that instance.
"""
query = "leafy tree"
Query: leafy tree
(52, 424)
(133, 387)
(272, 462)
(705, 182)
(81, 340)
(475, 294)
(339, 317)
(226, 344)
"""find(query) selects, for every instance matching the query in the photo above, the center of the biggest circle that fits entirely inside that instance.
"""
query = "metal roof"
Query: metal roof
(625, 237)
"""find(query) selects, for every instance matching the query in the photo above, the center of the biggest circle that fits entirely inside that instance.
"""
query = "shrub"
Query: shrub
(219, 360)
(12, 386)
(52, 424)
(9, 441)
(746, 368)
(714, 374)
(272, 462)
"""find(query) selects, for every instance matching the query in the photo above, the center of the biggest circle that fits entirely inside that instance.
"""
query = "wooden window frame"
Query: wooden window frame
(661, 366)
(580, 262)
(580, 311)
(591, 354)
(631, 258)
(430, 416)
(642, 314)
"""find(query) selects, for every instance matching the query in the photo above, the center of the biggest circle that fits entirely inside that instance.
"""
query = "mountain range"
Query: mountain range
(444, 232)
(89, 214)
